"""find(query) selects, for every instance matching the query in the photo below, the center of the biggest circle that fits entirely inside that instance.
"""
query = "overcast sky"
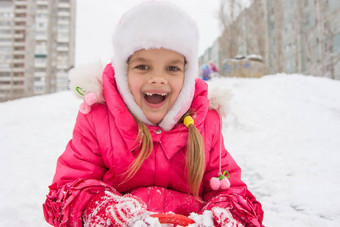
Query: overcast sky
(96, 20)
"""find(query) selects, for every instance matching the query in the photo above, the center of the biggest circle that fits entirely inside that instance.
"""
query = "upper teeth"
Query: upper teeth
(150, 94)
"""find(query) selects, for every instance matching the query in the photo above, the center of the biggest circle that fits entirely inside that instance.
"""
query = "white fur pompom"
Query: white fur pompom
(219, 98)
(202, 220)
(86, 79)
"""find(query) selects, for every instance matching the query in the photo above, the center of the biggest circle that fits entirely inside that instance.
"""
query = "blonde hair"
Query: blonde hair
(195, 157)
(144, 139)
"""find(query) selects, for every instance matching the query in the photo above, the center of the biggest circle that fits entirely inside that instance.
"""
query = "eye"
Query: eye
(142, 67)
(173, 68)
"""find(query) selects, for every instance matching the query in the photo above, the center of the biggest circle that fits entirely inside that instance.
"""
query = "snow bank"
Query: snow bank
(283, 130)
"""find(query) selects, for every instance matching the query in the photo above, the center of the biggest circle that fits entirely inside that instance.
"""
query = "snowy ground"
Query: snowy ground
(283, 130)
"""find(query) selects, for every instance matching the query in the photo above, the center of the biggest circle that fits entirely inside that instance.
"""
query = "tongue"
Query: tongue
(154, 99)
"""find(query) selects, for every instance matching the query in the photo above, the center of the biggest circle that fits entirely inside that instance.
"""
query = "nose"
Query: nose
(158, 78)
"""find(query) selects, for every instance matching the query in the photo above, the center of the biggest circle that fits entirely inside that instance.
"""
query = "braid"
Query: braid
(195, 158)
(144, 139)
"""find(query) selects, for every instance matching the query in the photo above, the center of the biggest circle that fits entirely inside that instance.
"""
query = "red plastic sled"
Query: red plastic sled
(171, 218)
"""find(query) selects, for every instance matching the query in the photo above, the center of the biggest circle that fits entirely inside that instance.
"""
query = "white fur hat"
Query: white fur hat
(156, 24)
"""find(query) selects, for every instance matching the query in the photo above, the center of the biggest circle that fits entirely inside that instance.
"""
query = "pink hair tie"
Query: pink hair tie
(89, 100)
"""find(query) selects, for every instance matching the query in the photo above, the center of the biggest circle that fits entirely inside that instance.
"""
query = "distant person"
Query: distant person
(213, 68)
(205, 72)
(151, 145)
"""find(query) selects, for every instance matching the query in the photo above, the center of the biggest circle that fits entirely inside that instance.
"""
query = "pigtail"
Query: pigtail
(195, 159)
(144, 139)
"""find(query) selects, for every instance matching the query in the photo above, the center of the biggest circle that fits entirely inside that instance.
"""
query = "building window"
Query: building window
(5, 48)
(5, 74)
(5, 40)
(5, 32)
(18, 82)
(21, 74)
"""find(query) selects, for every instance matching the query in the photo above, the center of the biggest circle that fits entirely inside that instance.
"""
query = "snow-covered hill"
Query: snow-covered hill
(283, 130)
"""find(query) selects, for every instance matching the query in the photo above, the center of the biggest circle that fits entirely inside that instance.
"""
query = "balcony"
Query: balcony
(19, 52)
(18, 61)
(5, 68)
(18, 86)
(64, 5)
(5, 87)
(5, 78)
(19, 70)
(41, 37)
(63, 22)
(62, 49)
(6, 35)
(63, 39)
(42, 3)
(20, 19)
(40, 75)
(63, 14)
(21, 3)
(20, 10)
(6, 43)
(19, 27)
(40, 64)
(19, 36)
(7, 26)
(18, 78)
(64, 66)
(19, 44)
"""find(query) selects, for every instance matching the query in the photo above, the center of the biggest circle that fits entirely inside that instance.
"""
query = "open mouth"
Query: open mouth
(155, 99)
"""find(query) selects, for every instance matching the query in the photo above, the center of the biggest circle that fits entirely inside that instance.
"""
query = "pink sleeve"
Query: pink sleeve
(64, 206)
(238, 198)
(78, 177)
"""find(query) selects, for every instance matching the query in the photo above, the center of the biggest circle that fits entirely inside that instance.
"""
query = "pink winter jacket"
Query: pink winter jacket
(104, 145)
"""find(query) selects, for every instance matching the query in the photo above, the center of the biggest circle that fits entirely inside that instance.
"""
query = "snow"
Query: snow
(283, 130)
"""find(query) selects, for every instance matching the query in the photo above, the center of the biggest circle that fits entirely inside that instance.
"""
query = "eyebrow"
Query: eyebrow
(141, 59)
(177, 61)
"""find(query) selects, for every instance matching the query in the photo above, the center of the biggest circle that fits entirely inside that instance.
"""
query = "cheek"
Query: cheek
(177, 87)
(135, 87)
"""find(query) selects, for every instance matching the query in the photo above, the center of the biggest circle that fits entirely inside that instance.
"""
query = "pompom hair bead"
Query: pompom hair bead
(220, 182)
(91, 99)
(215, 183)
(84, 108)
(188, 120)
(224, 184)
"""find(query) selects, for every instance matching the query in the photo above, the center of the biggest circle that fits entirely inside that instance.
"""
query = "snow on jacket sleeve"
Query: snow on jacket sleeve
(77, 179)
(238, 198)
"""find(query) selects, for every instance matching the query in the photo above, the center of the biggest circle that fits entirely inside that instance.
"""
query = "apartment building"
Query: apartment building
(291, 36)
(36, 46)
(305, 36)
(6, 46)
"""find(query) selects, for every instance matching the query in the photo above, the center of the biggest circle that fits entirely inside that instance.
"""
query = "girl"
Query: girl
(151, 144)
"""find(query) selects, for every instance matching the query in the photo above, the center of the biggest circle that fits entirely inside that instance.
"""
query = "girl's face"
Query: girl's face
(155, 78)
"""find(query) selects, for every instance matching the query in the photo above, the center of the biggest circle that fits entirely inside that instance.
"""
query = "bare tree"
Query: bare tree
(256, 26)
(228, 12)
(298, 26)
(278, 7)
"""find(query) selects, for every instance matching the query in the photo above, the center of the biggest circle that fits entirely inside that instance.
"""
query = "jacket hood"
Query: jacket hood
(156, 24)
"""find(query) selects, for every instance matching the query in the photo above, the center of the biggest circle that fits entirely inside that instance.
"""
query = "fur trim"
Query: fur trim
(156, 24)
(87, 79)
(219, 99)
